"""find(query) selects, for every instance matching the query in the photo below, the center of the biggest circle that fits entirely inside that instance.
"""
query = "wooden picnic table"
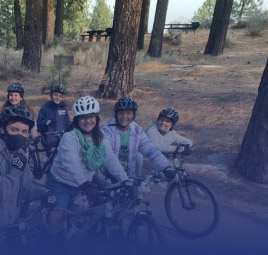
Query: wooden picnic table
(98, 33)
(91, 34)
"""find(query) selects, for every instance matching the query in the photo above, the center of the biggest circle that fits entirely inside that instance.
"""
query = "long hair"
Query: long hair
(22, 103)
(96, 133)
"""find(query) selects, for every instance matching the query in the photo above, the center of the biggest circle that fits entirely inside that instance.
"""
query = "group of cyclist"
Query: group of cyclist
(85, 153)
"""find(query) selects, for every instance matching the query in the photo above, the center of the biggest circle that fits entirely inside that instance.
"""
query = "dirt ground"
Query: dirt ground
(213, 95)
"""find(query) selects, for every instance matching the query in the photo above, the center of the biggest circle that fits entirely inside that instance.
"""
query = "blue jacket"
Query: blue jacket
(51, 111)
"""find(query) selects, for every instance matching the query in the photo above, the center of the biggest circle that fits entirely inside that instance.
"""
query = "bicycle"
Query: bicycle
(100, 228)
(36, 164)
(24, 236)
(190, 206)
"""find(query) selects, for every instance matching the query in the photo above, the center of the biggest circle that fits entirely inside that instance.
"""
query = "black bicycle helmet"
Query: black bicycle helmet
(17, 112)
(169, 113)
(126, 103)
(16, 87)
(57, 88)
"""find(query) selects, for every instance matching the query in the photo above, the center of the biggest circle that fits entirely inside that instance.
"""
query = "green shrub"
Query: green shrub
(257, 23)
(10, 64)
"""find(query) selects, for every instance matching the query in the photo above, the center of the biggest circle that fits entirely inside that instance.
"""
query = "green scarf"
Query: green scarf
(93, 155)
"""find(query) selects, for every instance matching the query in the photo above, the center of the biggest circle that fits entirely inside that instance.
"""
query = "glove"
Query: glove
(127, 186)
(49, 200)
(91, 191)
(19, 161)
(51, 123)
(169, 173)
(37, 173)
(184, 149)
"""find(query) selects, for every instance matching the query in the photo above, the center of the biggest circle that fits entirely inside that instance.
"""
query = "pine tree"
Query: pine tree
(102, 16)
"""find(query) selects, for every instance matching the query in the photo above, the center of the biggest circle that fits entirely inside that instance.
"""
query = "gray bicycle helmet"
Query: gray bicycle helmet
(57, 88)
(126, 103)
(17, 112)
(169, 113)
(16, 87)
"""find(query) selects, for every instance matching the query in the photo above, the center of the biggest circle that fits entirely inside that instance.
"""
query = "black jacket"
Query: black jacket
(58, 113)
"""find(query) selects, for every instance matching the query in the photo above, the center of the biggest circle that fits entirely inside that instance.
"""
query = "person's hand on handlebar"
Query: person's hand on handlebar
(169, 173)
(184, 149)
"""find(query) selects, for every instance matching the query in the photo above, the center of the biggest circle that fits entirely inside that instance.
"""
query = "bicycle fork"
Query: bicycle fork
(186, 199)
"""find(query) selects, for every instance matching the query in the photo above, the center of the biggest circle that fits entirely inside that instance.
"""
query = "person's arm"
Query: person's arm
(41, 121)
(162, 143)
(31, 191)
(148, 150)
(69, 151)
(112, 164)
(178, 139)
(8, 181)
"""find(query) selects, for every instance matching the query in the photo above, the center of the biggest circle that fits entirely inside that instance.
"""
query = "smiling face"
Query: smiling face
(14, 98)
(124, 118)
(87, 122)
(164, 124)
(56, 97)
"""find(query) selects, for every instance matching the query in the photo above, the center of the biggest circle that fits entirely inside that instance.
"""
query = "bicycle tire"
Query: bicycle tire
(199, 218)
(146, 231)
(33, 163)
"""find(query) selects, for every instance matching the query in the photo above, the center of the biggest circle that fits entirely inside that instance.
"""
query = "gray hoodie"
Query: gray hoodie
(15, 186)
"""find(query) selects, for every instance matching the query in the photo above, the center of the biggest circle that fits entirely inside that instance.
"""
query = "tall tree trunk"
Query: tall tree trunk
(155, 47)
(18, 24)
(219, 27)
(118, 79)
(143, 28)
(252, 158)
(32, 53)
(59, 18)
(48, 21)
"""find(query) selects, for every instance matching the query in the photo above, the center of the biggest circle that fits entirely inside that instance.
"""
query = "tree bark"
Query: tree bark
(18, 24)
(32, 53)
(155, 47)
(118, 79)
(48, 21)
(252, 158)
(219, 27)
(59, 18)
(143, 28)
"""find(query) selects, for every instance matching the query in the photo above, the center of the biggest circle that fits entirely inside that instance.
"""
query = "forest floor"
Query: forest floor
(213, 95)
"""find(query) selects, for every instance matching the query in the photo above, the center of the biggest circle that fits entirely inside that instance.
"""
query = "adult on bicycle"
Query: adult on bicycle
(15, 96)
(163, 135)
(53, 119)
(130, 143)
(16, 180)
(83, 151)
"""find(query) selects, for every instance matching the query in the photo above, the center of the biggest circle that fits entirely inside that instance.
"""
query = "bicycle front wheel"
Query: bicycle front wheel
(191, 208)
(146, 231)
(34, 165)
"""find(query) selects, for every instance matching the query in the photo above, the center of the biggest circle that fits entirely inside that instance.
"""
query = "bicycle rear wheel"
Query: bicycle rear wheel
(146, 231)
(191, 208)
(34, 166)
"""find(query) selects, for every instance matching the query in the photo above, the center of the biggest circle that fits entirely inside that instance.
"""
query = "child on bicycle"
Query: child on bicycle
(53, 119)
(83, 152)
(15, 96)
(163, 135)
(16, 180)
(129, 142)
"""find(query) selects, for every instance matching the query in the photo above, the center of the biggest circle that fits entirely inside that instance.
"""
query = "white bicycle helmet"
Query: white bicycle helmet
(85, 105)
